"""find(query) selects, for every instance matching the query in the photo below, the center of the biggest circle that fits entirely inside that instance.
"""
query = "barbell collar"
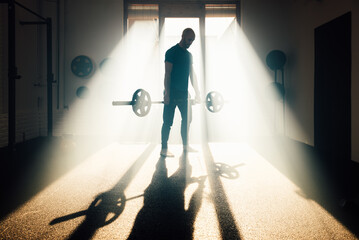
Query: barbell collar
(157, 102)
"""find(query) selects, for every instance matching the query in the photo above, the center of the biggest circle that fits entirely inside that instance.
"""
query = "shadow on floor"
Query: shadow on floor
(163, 215)
(227, 224)
(107, 206)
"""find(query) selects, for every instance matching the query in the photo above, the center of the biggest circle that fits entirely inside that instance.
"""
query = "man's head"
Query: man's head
(188, 37)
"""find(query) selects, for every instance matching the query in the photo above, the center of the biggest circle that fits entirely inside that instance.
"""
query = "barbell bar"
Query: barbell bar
(141, 102)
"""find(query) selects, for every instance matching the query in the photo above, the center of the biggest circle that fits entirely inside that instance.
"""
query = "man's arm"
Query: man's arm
(168, 70)
(194, 83)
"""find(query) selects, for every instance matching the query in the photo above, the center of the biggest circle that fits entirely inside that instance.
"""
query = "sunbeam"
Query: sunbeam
(108, 175)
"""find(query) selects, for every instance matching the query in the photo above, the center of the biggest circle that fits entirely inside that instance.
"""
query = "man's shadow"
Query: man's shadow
(163, 215)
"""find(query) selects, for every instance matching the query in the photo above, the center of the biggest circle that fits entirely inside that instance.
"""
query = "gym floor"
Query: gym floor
(119, 190)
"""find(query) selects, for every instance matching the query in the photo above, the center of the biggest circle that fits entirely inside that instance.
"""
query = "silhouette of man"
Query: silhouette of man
(178, 68)
(163, 215)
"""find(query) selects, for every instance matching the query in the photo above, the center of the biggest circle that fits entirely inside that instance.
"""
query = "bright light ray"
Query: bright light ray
(133, 64)
(93, 121)
(253, 113)
(137, 62)
(233, 68)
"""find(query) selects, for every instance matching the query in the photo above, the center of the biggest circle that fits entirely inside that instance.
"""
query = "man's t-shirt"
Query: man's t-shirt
(181, 60)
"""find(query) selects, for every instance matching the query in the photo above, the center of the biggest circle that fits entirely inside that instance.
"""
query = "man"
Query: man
(178, 68)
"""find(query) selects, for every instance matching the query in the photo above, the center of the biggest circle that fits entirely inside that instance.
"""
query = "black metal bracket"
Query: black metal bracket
(30, 11)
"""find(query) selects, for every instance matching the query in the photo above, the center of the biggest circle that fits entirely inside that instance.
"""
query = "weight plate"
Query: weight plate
(276, 60)
(214, 101)
(141, 102)
(82, 66)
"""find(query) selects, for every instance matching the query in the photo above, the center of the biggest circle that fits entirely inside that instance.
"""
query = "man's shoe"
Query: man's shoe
(166, 153)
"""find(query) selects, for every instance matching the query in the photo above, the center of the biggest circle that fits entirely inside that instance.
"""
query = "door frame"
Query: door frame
(184, 9)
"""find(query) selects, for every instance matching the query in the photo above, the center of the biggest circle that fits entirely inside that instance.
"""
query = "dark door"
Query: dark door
(332, 106)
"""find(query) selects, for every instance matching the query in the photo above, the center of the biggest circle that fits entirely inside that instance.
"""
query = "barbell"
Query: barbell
(141, 102)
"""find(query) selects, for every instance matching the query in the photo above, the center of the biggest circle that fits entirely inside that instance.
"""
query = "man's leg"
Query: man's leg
(186, 114)
(168, 114)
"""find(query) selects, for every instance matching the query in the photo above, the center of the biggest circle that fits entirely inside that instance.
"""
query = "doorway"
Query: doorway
(171, 33)
(332, 94)
(212, 23)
